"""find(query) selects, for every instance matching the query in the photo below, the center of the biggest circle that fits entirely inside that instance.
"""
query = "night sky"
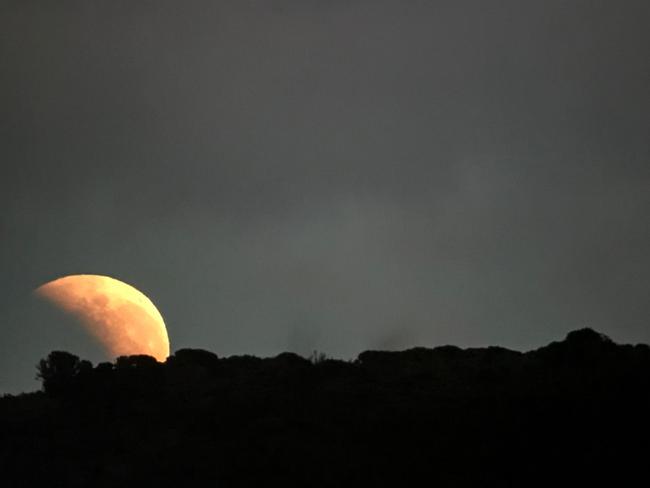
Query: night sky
(332, 175)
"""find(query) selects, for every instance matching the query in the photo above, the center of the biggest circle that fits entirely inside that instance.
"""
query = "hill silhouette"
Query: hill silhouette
(573, 412)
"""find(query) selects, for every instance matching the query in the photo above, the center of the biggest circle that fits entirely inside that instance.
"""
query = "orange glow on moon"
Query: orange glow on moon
(120, 317)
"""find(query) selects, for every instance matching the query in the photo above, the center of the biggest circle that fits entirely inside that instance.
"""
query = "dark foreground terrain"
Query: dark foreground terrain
(573, 413)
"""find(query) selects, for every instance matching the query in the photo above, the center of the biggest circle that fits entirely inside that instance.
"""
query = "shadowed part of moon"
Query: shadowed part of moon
(119, 316)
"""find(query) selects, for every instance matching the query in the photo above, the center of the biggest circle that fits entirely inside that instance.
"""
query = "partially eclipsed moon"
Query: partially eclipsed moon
(120, 317)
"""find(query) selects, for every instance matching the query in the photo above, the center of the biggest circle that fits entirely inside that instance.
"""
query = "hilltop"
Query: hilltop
(573, 411)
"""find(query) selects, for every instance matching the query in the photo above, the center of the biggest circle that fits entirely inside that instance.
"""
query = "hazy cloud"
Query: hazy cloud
(330, 175)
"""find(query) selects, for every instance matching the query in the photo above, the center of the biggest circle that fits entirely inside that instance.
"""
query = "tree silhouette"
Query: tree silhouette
(60, 371)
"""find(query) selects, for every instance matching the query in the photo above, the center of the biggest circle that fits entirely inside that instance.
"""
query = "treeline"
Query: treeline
(575, 411)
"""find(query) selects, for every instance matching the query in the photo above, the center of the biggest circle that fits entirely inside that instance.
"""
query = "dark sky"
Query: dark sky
(333, 175)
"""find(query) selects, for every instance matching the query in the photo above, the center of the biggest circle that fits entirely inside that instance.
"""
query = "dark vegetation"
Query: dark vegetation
(571, 413)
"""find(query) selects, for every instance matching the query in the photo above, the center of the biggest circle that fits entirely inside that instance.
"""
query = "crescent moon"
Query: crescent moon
(119, 316)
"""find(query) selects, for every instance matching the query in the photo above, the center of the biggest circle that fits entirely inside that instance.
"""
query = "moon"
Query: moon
(123, 319)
